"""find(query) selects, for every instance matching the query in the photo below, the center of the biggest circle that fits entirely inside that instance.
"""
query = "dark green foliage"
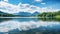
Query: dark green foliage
(49, 14)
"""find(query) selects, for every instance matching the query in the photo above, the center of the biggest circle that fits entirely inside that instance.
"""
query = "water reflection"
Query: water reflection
(26, 19)
(29, 26)
(49, 19)
(4, 19)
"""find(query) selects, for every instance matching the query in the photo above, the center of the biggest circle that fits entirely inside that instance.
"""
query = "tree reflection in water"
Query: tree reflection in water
(4, 19)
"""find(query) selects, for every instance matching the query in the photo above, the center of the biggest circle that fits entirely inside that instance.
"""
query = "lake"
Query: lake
(29, 26)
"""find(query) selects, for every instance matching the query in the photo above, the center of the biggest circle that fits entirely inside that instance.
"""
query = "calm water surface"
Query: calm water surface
(29, 26)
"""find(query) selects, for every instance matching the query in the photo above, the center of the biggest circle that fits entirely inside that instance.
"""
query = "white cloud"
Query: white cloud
(38, 0)
(10, 8)
(6, 0)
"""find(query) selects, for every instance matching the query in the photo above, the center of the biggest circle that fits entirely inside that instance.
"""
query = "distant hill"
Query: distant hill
(2, 14)
(20, 14)
(24, 14)
(27, 14)
(35, 13)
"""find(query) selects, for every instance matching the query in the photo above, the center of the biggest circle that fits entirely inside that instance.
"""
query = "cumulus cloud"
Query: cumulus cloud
(10, 8)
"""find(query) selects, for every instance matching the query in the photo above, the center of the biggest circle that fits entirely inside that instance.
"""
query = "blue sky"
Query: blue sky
(48, 3)
(44, 3)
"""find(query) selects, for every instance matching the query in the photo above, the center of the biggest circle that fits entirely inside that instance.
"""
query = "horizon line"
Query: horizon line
(25, 17)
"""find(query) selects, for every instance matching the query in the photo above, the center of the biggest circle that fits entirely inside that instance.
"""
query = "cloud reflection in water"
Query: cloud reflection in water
(10, 25)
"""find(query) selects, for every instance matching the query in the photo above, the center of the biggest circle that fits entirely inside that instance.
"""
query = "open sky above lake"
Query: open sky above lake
(31, 5)
(40, 3)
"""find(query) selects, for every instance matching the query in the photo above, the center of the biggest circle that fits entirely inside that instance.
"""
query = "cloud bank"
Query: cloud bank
(10, 8)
